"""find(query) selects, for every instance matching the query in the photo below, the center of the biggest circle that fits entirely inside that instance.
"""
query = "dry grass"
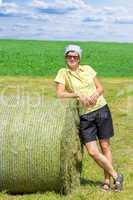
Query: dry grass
(119, 93)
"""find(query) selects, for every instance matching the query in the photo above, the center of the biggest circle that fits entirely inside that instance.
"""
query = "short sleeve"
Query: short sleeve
(60, 77)
(91, 71)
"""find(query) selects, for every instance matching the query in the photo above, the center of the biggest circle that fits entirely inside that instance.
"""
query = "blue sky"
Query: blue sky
(84, 20)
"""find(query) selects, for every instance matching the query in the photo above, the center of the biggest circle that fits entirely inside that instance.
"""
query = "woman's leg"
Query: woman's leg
(105, 147)
(100, 159)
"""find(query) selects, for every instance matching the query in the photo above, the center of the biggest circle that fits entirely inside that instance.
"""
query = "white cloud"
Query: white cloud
(124, 20)
(8, 8)
(74, 19)
(21, 26)
(12, 9)
(79, 4)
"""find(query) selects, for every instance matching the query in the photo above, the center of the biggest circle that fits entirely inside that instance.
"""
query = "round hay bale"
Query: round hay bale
(40, 149)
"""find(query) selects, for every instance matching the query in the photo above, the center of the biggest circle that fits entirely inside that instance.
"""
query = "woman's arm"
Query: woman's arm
(99, 87)
(99, 91)
(62, 93)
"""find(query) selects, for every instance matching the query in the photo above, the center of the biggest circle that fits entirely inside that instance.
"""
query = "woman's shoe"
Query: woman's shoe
(118, 183)
(106, 187)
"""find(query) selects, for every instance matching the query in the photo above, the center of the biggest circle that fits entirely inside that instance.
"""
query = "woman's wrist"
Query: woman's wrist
(76, 95)
(97, 93)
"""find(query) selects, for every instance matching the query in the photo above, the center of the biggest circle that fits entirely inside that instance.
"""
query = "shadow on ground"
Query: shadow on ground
(90, 182)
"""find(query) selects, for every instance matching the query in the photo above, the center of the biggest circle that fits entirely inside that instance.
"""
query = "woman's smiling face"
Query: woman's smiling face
(72, 59)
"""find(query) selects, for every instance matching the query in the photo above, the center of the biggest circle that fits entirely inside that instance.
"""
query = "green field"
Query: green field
(31, 65)
(44, 58)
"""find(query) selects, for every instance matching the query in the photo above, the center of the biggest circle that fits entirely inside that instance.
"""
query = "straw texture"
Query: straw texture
(40, 148)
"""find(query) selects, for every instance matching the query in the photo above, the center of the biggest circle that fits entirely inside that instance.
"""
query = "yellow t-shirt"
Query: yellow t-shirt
(80, 81)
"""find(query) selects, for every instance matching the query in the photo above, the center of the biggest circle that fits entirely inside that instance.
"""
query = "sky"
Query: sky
(76, 20)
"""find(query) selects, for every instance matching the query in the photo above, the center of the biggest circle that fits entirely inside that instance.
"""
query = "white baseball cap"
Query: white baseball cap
(72, 47)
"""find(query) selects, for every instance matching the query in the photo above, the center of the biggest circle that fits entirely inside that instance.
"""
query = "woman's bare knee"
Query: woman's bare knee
(93, 153)
(105, 145)
(92, 149)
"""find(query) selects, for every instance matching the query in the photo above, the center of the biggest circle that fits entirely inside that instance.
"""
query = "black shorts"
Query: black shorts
(97, 124)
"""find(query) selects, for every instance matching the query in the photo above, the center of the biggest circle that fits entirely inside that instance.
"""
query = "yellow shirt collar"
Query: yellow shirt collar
(81, 68)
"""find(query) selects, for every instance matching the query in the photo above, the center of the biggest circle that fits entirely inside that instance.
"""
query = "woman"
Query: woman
(76, 81)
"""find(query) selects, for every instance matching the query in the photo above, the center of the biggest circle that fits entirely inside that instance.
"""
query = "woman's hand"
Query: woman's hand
(84, 100)
(93, 98)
